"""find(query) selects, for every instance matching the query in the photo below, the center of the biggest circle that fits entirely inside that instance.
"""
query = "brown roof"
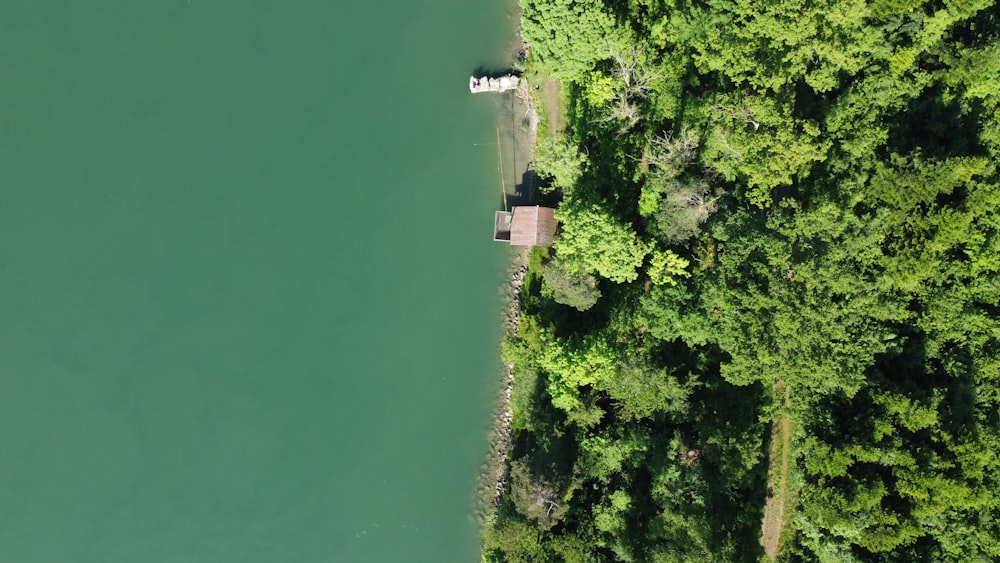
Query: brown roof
(532, 226)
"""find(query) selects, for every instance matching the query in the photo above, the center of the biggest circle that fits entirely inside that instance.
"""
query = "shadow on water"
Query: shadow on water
(516, 133)
(481, 71)
(524, 189)
(523, 192)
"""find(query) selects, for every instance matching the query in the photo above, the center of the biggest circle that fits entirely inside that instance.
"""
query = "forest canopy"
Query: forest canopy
(773, 215)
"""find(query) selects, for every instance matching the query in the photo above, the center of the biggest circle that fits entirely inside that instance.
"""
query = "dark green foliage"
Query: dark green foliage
(537, 496)
(511, 538)
(821, 180)
(641, 390)
(579, 291)
(684, 206)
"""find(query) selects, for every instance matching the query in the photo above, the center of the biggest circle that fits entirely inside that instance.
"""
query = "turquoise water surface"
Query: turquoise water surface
(248, 291)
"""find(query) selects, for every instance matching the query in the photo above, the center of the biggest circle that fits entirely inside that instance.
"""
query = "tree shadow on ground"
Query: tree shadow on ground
(936, 128)
(733, 440)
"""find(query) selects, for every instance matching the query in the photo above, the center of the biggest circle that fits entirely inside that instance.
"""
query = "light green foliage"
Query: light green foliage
(920, 231)
(560, 161)
(649, 198)
(641, 390)
(759, 142)
(593, 240)
(975, 72)
(600, 457)
(569, 36)
(574, 365)
(888, 8)
(905, 182)
(937, 24)
(609, 518)
(523, 399)
(599, 89)
(672, 312)
(768, 46)
(666, 267)
(531, 333)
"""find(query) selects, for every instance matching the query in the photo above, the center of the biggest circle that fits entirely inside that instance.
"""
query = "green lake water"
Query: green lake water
(249, 298)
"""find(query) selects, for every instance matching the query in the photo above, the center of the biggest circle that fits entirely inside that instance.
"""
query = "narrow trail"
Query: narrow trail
(777, 482)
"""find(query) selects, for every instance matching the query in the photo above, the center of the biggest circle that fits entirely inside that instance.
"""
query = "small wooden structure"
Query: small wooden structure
(526, 225)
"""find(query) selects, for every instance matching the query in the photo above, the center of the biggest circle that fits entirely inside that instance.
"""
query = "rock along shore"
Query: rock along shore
(492, 482)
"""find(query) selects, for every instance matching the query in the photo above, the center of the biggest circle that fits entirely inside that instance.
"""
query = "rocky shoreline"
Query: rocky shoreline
(492, 480)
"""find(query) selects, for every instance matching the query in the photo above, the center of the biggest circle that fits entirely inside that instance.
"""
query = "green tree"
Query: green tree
(568, 36)
(572, 365)
(593, 241)
(665, 267)
(757, 141)
(576, 290)
(560, 162)
(538, 497)
(769, 46)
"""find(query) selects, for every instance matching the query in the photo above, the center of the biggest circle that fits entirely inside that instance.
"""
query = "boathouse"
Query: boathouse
(526, 225)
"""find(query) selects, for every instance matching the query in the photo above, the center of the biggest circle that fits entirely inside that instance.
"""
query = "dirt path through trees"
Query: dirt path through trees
(777, 483)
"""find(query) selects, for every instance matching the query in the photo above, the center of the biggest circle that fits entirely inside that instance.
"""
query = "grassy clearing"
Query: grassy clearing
(547, 99)
(551, 99)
